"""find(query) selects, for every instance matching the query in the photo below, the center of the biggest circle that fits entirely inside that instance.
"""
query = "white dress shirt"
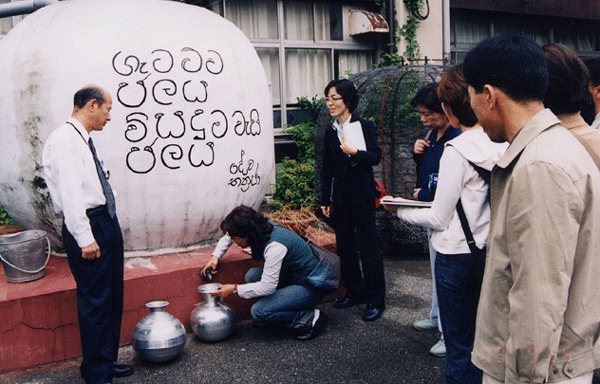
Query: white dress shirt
(351, 133)
(72, 179)
(596, 122)
(458, 180)
(274, 254)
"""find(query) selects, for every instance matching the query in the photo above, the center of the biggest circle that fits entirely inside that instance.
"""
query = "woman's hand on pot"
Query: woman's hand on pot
(210, 266)
(224, 291)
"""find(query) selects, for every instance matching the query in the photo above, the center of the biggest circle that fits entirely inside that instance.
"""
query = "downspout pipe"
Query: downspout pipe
(23, 7)
(446, 30)
(391, 23)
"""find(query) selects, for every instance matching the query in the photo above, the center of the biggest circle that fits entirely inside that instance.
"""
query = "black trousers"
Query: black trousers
(99, 296)
(354, 226)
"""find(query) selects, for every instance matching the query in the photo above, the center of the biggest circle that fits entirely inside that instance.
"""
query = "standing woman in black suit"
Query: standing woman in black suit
(351, 150)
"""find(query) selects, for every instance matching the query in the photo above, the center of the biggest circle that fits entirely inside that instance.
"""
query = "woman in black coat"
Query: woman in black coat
(351, 150)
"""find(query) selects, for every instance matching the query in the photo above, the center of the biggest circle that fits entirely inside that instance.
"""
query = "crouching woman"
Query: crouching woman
(288, 299)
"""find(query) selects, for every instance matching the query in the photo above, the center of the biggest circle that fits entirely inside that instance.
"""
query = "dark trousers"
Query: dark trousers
(458, 281)
(99, 296)
(354, 226)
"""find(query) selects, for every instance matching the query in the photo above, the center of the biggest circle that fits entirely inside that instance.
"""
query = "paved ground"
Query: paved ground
(351, 351)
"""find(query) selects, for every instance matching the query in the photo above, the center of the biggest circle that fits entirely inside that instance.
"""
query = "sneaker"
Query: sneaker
(426, 324)
(439, 349)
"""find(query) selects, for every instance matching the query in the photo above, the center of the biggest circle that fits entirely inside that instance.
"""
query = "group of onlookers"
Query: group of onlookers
(515, 216)
(511, 169)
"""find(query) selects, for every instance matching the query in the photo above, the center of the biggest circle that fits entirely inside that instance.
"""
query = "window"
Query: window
(469, 27)
(301, 44)
(270, 61)
(307, 72)
(351, 62)
(256, 18)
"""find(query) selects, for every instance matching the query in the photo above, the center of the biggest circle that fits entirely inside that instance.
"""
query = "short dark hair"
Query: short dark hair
(453, 91)
(246, 222)
(86, 94)
(514, 64)
(593, 66)
(347, 90)
(427, 97)
(568, 80)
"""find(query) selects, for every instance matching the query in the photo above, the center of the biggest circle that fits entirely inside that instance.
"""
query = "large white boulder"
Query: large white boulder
(191, 135)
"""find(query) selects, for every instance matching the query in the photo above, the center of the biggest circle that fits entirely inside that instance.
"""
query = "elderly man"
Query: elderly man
(91, 234)
(539, 311)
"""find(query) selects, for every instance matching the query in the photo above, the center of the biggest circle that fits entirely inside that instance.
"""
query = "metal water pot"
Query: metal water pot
(212, 320)
(159, 337)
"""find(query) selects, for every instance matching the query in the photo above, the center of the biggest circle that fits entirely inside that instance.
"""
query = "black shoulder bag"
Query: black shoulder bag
(464, 223)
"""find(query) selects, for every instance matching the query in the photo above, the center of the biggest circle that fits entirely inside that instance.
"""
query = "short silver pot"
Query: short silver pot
(212, 320)
(159, 337)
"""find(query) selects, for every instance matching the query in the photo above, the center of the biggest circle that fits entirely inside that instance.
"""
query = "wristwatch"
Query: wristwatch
(235, 289)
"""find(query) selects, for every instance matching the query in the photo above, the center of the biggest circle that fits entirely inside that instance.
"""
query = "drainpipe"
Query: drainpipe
(446, 30)
(391, 22)
(23, 7)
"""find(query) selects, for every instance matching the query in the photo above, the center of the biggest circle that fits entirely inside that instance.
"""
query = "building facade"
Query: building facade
(303, 44)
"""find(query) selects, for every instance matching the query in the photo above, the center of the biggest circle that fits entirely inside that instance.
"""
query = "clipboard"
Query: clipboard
(402, 202)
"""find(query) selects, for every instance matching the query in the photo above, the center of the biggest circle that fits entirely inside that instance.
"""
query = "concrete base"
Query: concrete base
(39, 319)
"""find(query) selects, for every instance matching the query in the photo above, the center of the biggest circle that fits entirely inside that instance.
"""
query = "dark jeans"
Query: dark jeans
(99, 296)
(354, 226)
(458, 281)
(291, 307)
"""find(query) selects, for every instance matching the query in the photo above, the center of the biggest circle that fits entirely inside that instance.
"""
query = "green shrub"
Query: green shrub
(5, 219)
(295, 181)
(294, 187)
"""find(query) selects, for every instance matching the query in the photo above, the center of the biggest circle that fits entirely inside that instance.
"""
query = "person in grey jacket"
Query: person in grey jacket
(538, 318)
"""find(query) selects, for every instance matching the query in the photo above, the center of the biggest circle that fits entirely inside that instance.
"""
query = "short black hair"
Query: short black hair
(593, 66)
(427, 97)
(568, 80)
(347, 90)
(86, 94)
(514, 64)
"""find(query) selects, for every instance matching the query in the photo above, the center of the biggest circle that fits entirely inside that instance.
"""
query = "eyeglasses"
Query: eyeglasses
(333, 98)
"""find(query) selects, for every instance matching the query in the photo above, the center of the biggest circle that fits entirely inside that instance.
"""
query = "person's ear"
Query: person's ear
(490, 96)
(92, 105)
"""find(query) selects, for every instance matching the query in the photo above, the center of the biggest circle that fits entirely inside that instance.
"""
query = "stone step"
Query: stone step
(39, 319)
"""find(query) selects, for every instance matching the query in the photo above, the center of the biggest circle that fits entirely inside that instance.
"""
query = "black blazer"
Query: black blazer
(347, 179)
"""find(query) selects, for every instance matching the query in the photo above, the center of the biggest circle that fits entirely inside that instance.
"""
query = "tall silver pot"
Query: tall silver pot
(212, 320)
(159, 337)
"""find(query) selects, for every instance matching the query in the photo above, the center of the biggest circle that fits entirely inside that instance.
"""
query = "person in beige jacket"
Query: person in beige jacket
(538, 317)
(568, 94)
